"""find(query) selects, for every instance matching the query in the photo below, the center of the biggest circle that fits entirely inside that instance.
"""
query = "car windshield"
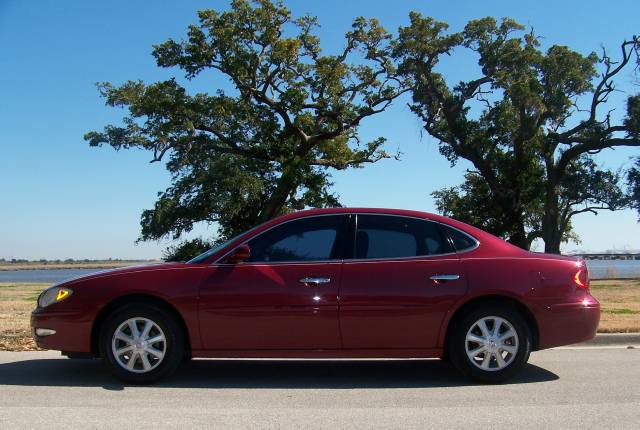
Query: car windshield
(205, 255)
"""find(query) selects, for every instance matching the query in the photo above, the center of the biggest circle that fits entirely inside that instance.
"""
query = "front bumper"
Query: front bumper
(568, 323)
(72, 330)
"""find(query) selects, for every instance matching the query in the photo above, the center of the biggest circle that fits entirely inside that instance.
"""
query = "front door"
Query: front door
(284, 297)
(400, 284)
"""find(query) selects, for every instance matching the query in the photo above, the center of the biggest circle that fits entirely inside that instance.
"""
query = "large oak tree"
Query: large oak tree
(520, 120)
(242, 157)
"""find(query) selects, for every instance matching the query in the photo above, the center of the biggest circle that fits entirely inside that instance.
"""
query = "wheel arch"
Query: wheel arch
(493, 299)
(139, 298)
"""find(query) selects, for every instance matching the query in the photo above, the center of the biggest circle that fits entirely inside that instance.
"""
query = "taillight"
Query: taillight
(581, 277)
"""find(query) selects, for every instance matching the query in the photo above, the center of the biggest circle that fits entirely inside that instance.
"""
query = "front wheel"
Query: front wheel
(490, 344)
(141, 344)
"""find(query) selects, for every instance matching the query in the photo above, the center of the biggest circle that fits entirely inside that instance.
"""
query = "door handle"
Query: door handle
(315, 281)
(444, 278)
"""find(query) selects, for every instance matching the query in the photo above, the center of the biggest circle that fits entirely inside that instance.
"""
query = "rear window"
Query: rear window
(389, 236)
(461, 241)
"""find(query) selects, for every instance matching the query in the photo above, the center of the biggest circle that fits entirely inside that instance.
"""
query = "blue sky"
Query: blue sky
(61, 199)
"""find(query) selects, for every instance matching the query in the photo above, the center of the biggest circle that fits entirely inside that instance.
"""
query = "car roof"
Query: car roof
(477, 233)
(386, 211)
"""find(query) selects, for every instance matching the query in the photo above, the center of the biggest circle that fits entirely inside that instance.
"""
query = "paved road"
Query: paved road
(563, 388)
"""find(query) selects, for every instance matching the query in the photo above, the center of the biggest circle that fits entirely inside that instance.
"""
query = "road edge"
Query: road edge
(613, 339)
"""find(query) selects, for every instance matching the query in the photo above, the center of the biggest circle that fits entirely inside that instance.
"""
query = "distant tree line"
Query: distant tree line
(60, 261)
(528, 121)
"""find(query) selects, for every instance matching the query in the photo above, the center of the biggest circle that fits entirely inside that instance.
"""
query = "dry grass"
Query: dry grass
(16, 303)
(620, 300)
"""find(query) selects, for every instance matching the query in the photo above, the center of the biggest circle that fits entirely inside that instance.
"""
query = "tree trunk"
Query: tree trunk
(519, 236)
(551, 233)
(278, 199)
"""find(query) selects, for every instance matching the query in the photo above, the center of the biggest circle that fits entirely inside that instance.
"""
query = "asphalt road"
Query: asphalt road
(563, 388)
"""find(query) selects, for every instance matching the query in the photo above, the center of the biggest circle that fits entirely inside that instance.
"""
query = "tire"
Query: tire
(153, 356)
(485, 366)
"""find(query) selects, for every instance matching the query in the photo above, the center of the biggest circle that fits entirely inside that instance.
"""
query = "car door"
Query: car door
(285, 296)
(400, 283)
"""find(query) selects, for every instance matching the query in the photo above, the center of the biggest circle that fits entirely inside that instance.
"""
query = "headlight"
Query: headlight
(53, 295)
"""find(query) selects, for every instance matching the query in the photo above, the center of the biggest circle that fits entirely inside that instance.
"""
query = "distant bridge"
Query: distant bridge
(608, 256)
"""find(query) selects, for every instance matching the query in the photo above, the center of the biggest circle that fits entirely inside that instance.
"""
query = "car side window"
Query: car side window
(461, 241)
(387, 236)
(306, 239)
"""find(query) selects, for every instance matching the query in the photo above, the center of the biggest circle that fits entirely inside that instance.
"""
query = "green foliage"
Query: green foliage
(633, 182)
(532, 170)
(187, 250)
(632, 121)
(470, 202)
(240, 159)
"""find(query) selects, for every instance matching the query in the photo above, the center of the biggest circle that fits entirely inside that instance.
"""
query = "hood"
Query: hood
(122, 271)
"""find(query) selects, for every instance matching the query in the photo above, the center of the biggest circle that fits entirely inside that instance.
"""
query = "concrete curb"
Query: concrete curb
(618, 339)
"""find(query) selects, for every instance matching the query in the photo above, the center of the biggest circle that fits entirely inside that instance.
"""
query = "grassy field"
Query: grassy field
(16, 303)
(620, 301)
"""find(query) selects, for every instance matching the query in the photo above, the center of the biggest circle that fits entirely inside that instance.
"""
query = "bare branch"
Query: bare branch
(343, 165)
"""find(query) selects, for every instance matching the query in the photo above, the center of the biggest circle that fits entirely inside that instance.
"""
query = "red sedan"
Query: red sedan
(326, 283)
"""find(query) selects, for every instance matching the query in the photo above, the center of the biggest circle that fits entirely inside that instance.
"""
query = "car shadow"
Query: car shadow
(260, 374)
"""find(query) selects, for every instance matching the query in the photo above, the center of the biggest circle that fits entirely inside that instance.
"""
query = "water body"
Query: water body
(613, 268)
(44, 275)
(597, 269)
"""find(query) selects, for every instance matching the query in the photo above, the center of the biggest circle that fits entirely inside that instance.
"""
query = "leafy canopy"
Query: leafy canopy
(519, 124)
(266, 148)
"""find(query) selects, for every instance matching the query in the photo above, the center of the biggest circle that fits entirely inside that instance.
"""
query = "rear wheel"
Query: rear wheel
(141, 344)
(490, 344)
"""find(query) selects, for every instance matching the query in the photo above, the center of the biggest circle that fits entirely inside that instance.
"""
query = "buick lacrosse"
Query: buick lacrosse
(327, 283)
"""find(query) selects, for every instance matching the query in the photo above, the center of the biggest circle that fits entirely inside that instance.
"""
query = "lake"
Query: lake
(43, 275)
(597, 269)
(613, 268)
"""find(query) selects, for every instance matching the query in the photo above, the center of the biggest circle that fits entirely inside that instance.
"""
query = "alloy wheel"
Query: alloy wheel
(139, 345)
(491, 343)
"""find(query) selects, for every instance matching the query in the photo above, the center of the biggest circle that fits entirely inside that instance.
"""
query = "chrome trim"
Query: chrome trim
(315, 281)
(414, 257)
(444, 277)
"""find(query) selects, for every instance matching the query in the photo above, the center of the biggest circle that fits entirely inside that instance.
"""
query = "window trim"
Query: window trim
(344, 229)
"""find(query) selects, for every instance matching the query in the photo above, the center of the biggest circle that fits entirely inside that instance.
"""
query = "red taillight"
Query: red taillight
(581, 278)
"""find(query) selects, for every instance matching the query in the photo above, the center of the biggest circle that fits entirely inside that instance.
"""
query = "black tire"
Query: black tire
(456, 346)
(174, 347)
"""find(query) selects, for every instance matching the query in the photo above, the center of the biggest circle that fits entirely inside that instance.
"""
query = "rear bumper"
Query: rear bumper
(72, 330)
(568, 323)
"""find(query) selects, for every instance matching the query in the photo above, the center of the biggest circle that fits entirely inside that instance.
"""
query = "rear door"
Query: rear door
(400, 283)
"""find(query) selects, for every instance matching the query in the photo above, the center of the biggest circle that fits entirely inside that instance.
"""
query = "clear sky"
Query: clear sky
(61, 199)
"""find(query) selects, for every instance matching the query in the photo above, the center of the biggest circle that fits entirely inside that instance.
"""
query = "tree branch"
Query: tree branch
(604, 87)
(591, 145)
(343, 165)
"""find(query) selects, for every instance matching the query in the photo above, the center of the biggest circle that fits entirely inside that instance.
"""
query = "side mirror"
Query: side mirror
(238, 255)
